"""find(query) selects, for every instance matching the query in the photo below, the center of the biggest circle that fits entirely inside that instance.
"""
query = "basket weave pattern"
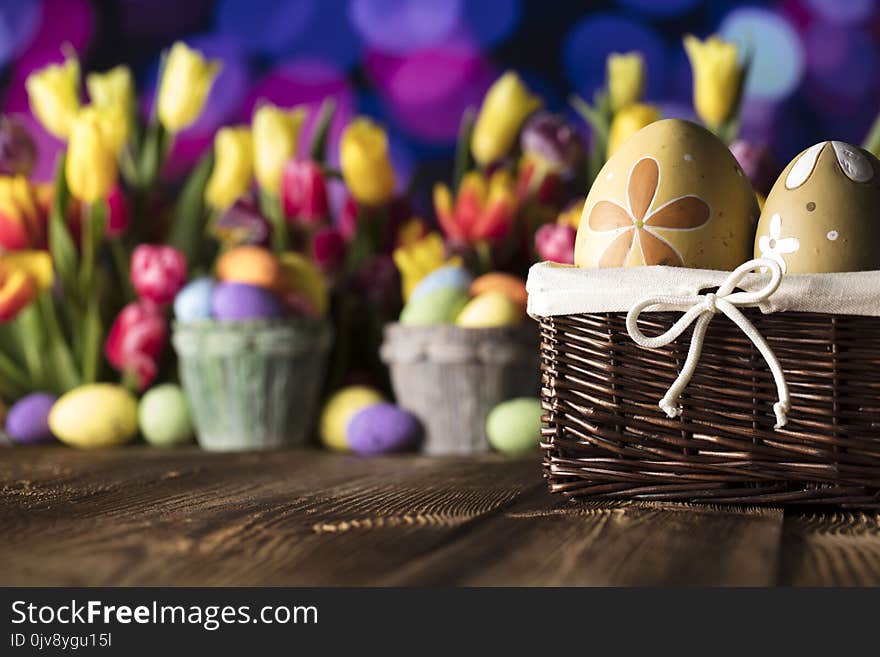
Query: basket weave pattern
(605, 436)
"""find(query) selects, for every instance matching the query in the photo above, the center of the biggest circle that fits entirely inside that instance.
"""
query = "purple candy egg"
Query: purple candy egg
(232, 302)
(382, 428)
(28, 419)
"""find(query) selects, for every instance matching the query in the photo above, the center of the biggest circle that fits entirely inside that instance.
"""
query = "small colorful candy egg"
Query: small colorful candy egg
(28, 418)
(252, 265)
(301, 280)
(236, 302)
(164, 416)
(193, 302)
(450, 276)
(95, 415)
(342, 406)
(382, 428)
(437, 307)
(513, 286)
(488, 310)
(514, 426)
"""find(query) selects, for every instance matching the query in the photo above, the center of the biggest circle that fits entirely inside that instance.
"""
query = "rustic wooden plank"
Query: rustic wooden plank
(607, 544)
(141, 516)
(831, 549)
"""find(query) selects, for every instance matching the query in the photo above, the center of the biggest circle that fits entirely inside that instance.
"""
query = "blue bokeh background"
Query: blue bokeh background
(417, 64)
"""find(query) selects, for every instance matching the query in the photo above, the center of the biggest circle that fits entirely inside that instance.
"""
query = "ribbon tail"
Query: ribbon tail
(670, 400)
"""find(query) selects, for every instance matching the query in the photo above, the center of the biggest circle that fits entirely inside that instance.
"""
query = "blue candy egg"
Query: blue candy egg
(235, 302)
(449, 276)
(382, 428)
(28, 419)
(193, 302)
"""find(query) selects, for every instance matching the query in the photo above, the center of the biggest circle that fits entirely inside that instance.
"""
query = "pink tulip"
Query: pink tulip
(117, 220)
(157, 272)
(304, 193)
(136, 341)
(556, 243)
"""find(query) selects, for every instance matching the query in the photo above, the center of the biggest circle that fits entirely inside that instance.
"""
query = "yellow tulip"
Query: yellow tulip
(114, 123)
(113, 88)
(53, 93)
(187, 77)
(91, 167)
(276, 134)
(718, 76)
(628, 122)
(233, 167)
(418, 259)
(506, 106)
(626, 79)
(366, 168)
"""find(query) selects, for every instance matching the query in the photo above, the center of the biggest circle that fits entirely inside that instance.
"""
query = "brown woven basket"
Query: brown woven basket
(605, 437)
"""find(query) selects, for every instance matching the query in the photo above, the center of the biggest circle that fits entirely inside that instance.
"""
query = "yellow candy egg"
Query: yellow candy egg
(340, 409)
(490, 309)
(252, 265)
(95, 415)
(672, 194)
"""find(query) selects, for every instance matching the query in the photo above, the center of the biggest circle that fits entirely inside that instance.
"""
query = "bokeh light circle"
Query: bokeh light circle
(18, 24)
(842, 66)
(843, 12)
(487, 23)
(777, 52)
(402, 26)
(591, 40)
(660, 7)
(267, 26)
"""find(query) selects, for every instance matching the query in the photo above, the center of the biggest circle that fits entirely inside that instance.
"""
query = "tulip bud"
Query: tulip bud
(113, 88)
(718, 77)
(626, 79)
(366, 167)
(187, 78)
(276, 133)
(757, 163)
(507, 104)
(233, 167)
(18, 152)
(328, 248)
(91, 167)
(136, 340)
(242, 224)
(549, 138)
(304, 192)
(628, 122)
(555, 243)
(157, 272)
(53, 92)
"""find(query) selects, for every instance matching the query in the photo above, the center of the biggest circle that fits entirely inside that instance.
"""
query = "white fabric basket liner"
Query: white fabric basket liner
(556, 289)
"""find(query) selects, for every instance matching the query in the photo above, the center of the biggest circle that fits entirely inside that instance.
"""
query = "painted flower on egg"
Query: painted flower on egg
(640, 224)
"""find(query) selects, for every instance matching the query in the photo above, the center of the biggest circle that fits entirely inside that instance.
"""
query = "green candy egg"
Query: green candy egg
(514, 426)
(95, 415)
(438, 307)
(164, 416)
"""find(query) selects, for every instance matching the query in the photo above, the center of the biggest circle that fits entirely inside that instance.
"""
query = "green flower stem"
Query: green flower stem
(31, 337)
(13, 376)
(64, 368)
(271, 206)
(872, 141)
(92, 336)
(121, 261)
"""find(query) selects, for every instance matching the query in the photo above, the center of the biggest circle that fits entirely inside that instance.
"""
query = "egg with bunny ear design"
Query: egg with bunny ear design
(822, 214)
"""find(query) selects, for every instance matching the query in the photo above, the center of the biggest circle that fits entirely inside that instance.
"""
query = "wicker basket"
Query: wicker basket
(252, 385)
(605, 436)
(452, 377)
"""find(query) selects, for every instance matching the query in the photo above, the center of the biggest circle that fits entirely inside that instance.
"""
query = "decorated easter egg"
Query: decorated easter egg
(508, 284)
(514, 426)
(490, 309)
(449, 276)
(95, 415)
(164, 416)
(235, 302)
(382, 428)
(672, 194)
(340, 409)
(193, 302)
(303, 284)
(821, 215)
(253, 265)
(437, 307)
(28, 418)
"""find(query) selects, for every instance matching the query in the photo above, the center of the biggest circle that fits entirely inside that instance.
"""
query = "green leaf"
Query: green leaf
(463, 159)
(32, 338)
(63, 372)
(190, 214)
(13, 382)
(155, 145)
(318, 148)
(61, 246)
(271, 208)
(92, 335)
(93, 229)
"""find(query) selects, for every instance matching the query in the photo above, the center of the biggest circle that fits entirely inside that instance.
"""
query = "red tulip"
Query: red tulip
(136, 341)
(117, 219)
(348, 218)
(556, 243)
(157, 272)
(328, 248)
(304, 193)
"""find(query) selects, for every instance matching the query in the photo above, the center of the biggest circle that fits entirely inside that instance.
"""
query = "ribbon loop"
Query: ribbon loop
(701, 309)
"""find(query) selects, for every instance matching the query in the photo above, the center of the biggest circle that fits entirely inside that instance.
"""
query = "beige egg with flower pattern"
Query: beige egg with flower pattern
(674, 195)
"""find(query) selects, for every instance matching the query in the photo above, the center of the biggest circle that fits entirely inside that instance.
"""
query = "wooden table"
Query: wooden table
(140, 516)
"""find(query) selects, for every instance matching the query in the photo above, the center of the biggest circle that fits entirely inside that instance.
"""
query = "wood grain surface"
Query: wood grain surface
(141, 516)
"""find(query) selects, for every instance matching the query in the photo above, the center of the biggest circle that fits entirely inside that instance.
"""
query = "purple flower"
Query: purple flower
(757, 163)
(551, 139)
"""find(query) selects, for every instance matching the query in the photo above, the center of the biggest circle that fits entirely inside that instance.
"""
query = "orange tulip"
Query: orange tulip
(23, 214)
(484, 208)
(17, 290)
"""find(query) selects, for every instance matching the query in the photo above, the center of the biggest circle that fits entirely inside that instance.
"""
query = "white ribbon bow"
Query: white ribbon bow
(701, 308)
